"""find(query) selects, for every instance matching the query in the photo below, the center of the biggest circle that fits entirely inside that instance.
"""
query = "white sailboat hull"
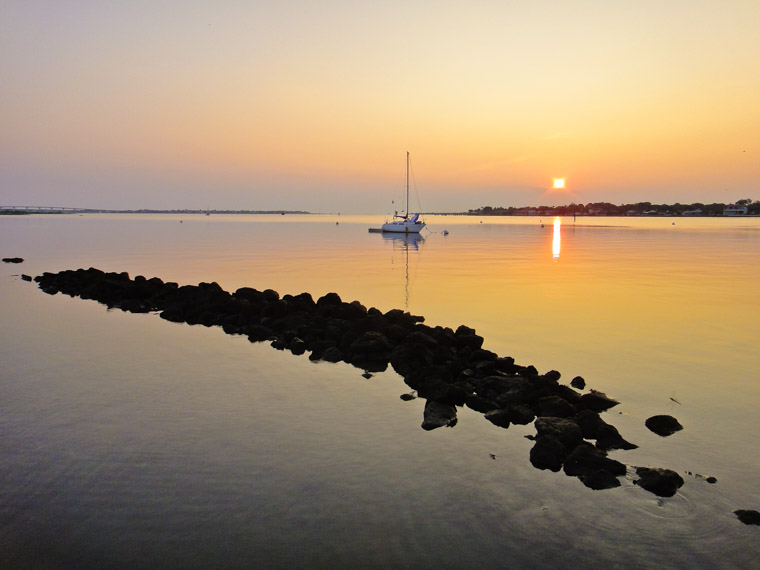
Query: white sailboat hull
(403, 227)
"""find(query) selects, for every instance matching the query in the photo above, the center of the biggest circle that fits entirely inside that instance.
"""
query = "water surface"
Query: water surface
(129, 441)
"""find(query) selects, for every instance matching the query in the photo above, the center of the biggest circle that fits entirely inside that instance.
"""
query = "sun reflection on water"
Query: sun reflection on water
(556, 239)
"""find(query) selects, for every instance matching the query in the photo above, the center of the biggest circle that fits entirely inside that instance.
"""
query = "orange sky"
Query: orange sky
(298, 106)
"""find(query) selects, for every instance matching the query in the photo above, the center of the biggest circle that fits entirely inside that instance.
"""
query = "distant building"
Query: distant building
(697, 212)
(735, 210)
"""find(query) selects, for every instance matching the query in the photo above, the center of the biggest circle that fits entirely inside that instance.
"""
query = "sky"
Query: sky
(300, 105)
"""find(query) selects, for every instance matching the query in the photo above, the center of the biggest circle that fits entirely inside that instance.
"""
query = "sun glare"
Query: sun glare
(559, 183)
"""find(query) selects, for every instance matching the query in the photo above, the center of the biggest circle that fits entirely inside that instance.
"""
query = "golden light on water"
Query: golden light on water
(556, 239)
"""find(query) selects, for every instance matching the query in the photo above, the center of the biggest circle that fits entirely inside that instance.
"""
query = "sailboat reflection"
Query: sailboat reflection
(556, 239)
(405, 242)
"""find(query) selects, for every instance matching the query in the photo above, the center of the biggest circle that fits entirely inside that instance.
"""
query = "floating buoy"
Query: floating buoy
(445, 232)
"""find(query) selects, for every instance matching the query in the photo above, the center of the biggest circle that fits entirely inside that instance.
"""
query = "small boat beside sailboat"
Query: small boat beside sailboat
(405, 223)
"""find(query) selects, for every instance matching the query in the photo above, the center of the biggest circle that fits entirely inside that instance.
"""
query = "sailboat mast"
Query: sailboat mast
(407, 184)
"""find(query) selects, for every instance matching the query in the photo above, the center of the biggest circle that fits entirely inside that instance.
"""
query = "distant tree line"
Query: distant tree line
(637, 209)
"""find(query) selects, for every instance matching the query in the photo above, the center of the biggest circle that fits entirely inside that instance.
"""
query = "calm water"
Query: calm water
(129, 441)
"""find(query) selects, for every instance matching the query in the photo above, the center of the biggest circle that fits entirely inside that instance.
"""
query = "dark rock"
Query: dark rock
(597, 401)
(554, 406)
(589, 422)
(467, 339)
(483, 355)
(528, 371)
(402, 318)
(297, 346)
(371, 342)
(663, 425)
(564, 430)
(578, 382)
(498, 417)
(371, 350)
(407, 358)
(521, 415)
(505, 364)
(330, 299)
(25, 277)
(438, 415)
(661, 482)
(258, 333)
(318, 348)
(13, 260)
(553, 375)
(748, 516)
(548, 453)
(571, 396)
(407, 397)
(479, 404)
(586, 459)
(332, 354)
(173, 314)
(599, 480)
(608, 437)
(435, 383)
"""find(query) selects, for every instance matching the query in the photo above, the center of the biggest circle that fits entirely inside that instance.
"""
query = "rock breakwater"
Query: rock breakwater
(447, 367)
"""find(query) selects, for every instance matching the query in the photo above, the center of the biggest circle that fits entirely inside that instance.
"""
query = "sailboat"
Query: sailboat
(405, 224)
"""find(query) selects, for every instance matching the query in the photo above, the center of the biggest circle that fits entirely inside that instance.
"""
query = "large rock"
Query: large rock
(586, 459)
(608, 437)
(548, 453)
(371, 350)
(597, 401)
(499, 417)
(599, 480)
(661, 482)
(554, 406)
(564, 430)
(663, 425)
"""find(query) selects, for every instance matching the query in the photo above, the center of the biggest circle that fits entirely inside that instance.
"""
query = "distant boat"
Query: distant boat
(405, 224)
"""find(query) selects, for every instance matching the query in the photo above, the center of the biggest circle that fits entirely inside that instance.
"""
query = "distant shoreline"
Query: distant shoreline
(748, 210)
(24, 210)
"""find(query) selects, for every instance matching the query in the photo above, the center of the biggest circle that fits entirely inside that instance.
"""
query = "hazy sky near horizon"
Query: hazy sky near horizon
(306, 105)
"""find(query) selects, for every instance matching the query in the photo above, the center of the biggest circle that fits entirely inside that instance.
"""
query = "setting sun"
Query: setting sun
(559, 183)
